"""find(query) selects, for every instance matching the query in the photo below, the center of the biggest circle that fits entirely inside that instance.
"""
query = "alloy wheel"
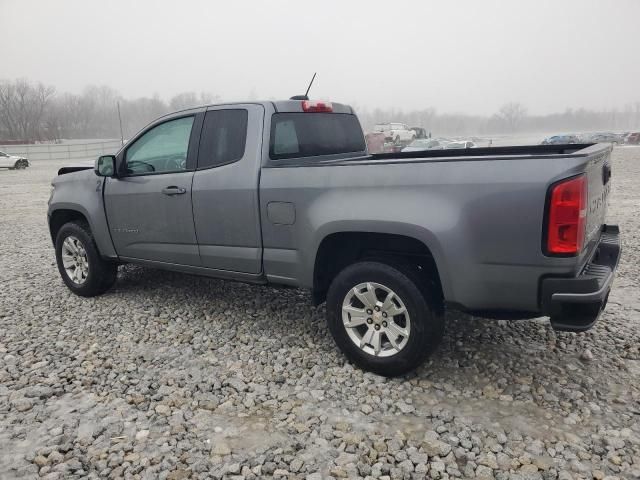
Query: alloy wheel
(75, 260)
(376, 319)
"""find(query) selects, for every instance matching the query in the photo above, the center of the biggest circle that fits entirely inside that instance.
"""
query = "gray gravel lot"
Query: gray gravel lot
(172, 376)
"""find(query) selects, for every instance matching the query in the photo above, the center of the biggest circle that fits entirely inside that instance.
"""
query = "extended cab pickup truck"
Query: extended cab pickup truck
(285, 193)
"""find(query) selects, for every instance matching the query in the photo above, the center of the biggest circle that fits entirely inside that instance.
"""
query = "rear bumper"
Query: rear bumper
(574, 304)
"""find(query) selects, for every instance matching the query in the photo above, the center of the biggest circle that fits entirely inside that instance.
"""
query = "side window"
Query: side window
(162, 149)
(285, 138)
(223, 138)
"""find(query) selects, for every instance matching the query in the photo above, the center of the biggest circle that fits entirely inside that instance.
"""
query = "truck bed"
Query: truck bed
(509, 151)
(462, 154)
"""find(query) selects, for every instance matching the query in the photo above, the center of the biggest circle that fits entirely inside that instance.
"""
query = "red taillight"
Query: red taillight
(567, 215)
(316, 106)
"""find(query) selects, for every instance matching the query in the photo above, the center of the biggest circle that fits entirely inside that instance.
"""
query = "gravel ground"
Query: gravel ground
(172, 376)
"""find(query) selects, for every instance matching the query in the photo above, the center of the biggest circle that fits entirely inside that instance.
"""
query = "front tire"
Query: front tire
(80, 265)
(383, 318)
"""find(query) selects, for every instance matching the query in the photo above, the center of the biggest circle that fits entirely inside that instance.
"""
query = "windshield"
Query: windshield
(2, 154)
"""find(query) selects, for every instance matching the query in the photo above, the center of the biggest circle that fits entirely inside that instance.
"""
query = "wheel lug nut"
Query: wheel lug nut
(377, 327)
(369, 321)
(369, 311)
(384, 324)
(377, 309)
(384, 314)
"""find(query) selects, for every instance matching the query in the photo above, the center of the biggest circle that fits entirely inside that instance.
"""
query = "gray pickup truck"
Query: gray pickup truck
(285, 193)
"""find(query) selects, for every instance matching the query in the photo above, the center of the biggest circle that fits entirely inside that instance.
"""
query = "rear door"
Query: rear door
(149, 207)
(225, 188)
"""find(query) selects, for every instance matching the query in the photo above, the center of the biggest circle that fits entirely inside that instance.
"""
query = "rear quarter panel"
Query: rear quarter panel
(481, 219)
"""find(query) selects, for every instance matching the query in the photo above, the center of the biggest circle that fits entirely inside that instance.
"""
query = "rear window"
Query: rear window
(296, 135)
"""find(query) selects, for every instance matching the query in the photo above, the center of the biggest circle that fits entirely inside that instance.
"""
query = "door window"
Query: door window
(223, 139)
(162, 149)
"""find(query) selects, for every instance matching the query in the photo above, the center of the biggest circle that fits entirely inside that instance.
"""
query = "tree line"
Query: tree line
(511, 118)
(32, 111)
(36, 112)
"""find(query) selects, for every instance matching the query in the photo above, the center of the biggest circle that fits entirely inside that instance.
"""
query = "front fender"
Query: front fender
(82, 192)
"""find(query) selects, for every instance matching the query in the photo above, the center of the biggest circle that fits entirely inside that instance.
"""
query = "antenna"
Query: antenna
(306, 95)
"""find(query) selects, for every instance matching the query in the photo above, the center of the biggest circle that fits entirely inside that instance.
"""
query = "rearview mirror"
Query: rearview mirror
(105, 166)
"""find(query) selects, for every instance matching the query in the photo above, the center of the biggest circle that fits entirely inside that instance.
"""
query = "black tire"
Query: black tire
(101, 274)
(427, 323)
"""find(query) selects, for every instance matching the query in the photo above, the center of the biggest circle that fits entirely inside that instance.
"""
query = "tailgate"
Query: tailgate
(598, 189)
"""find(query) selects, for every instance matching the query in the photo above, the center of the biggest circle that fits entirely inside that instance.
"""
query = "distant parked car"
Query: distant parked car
(605, 137)
(425, 144)
(560, 140)
(420, 132)
(13, 162)
(461, 144)
(633, 138)
(396, 132)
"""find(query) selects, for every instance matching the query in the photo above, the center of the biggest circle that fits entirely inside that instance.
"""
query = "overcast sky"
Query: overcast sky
(457, 56)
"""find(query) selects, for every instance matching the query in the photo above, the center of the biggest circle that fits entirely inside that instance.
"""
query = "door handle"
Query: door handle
(174, 190)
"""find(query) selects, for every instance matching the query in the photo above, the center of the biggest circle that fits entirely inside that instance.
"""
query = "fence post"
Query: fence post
(49, 150)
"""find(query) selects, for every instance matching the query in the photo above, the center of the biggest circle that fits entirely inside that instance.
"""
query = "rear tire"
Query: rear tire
(397, 337)
(80, 265)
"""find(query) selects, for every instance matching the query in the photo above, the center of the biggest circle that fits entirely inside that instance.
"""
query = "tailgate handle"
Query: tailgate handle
(606, 173)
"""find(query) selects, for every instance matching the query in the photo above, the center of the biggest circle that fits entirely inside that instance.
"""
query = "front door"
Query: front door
(149, 207)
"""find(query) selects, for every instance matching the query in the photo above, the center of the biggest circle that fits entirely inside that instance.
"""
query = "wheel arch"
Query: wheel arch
(61, 216)
(338, 249)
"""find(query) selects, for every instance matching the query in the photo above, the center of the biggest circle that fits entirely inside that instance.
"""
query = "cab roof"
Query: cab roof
(282, 106)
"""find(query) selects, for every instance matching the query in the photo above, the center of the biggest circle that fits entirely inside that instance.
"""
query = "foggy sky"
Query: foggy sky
(457, 56)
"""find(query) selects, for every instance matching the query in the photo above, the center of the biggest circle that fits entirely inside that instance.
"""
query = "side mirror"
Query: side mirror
(105, 166)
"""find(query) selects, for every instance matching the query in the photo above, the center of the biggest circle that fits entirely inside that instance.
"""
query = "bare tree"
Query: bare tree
(512, 114)
(191, 99)
(22, 108)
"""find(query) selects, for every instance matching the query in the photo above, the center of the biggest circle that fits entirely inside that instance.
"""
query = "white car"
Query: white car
(13, 161)
(396, 132)
(425, 144)
(461, 144)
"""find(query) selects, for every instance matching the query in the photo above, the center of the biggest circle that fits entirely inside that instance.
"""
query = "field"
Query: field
(173, 376)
